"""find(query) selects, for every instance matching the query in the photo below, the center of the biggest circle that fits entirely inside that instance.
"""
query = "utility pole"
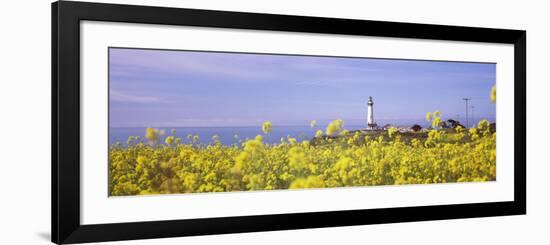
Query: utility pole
(473, 118)
(466, 100)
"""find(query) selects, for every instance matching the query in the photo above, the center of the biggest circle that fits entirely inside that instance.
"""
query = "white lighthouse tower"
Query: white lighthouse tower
(370, 115)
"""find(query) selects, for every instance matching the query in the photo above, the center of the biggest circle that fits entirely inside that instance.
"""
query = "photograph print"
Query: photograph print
(202, 121)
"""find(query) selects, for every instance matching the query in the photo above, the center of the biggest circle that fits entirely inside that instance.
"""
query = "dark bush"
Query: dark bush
(416, 128)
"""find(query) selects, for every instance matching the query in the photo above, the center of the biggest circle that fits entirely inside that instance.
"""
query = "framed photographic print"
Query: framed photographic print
(177, 122)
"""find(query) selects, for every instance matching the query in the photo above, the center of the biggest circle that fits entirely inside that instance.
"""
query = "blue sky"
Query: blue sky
(162, 88)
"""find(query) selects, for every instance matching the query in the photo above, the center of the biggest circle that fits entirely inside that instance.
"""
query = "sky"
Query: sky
(168, 88)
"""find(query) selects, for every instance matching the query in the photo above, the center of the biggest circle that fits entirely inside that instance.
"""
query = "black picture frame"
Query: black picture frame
(65, 168)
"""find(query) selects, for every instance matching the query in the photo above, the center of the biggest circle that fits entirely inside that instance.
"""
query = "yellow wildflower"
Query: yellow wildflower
(335, 127)
(267, 127)
(313, 123)
(494, 94)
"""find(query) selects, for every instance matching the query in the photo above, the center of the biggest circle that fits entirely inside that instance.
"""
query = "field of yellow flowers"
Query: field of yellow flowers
(342, 159)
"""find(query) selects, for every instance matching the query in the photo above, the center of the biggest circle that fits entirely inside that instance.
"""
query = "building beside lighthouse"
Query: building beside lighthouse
(371, 124)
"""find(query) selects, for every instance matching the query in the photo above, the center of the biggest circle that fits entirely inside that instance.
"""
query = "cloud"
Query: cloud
(125, 97)
(294, 70)
(191, 122)
(130, 62)
(240, 67)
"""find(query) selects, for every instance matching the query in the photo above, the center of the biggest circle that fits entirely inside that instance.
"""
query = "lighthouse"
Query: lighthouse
(370, 115)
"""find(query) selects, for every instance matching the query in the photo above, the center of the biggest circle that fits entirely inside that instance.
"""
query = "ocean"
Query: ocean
(235, 135)
(227, 135)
